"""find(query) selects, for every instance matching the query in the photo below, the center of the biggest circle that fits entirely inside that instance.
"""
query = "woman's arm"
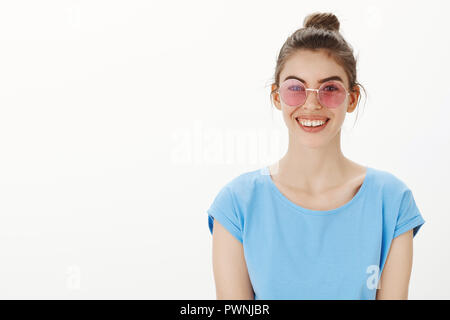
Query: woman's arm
(394, 281)
(229, 267)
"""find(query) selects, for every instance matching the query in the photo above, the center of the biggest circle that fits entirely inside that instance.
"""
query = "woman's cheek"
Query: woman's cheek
(288, 114)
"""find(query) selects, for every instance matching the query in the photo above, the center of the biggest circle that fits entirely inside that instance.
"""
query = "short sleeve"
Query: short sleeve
(409, 216)
(224, 210)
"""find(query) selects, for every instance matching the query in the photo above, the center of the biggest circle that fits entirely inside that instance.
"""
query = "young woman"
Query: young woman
(314, 225)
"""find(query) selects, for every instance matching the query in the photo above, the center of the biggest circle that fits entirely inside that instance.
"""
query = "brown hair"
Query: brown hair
(320, 32)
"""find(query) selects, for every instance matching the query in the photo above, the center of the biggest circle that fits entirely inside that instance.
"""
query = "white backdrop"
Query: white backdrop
(121, 120)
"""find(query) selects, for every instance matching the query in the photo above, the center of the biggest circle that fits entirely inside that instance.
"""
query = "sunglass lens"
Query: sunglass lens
(293, 92)
(332, 94)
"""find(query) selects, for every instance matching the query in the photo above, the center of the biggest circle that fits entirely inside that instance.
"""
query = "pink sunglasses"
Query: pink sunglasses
(331, 94)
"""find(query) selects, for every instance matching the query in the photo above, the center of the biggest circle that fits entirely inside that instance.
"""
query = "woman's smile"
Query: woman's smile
(312, 126)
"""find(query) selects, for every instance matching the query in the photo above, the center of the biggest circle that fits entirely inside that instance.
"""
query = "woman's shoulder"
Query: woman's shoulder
(231, 202)
(388, 181)
(390, 188)
(247, 181)
(400, 210)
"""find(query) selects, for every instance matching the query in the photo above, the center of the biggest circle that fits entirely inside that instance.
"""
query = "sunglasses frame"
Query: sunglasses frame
(310, 89)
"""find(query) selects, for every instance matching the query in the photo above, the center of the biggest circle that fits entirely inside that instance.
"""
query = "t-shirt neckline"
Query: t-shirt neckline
(266, 172)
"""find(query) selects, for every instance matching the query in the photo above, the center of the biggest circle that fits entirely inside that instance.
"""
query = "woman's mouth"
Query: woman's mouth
(312, 126)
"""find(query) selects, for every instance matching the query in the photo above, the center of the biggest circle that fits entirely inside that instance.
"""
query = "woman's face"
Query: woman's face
(313, 66)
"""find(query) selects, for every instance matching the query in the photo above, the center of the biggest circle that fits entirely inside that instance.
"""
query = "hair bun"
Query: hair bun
(320, 20)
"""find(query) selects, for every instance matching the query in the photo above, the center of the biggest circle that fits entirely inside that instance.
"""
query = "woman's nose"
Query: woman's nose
(311, 101)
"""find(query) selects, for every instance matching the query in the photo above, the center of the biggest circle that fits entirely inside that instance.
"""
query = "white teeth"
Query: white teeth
(311, 123)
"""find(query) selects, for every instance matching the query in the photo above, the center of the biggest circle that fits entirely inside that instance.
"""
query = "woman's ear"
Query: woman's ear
(276, 97)
(354, 95)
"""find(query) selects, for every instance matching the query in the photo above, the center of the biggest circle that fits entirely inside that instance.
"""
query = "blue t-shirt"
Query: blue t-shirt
(296, 253)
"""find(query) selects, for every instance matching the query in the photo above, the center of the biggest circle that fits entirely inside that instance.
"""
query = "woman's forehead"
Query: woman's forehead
(312, 66)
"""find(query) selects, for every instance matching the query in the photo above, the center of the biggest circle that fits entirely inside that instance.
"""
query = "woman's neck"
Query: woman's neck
(313, 170)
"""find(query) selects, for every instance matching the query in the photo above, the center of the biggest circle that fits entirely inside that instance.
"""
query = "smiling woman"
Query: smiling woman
(315, 224)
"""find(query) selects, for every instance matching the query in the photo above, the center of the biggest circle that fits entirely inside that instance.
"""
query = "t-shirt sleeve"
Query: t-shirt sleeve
(409, 216)
(223, 209)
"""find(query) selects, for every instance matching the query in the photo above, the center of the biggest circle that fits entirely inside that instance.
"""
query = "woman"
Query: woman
(314, 225)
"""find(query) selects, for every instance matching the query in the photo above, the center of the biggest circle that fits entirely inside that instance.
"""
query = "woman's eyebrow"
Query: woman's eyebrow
(320, 81)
